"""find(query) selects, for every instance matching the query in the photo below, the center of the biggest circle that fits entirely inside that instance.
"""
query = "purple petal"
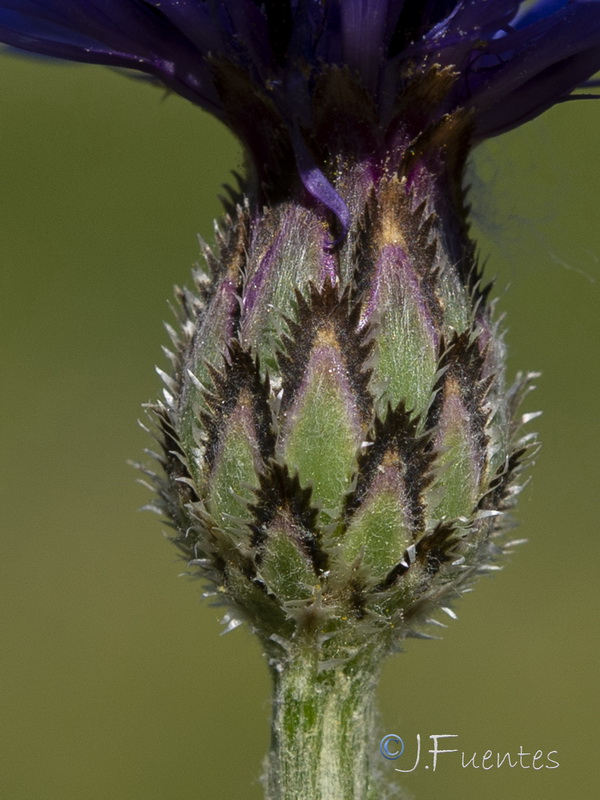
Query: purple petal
(316, 184)
(122, 33)
(363, 32)
(513, 59)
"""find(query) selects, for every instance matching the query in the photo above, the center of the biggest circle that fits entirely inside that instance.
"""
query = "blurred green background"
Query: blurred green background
(114, 681)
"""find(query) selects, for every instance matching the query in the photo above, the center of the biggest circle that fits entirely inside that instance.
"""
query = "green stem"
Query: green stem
(323, 731)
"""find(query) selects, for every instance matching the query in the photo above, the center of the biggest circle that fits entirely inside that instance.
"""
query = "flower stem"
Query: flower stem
(323, 731)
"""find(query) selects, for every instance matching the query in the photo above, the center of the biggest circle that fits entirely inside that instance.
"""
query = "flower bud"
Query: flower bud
(340, 445)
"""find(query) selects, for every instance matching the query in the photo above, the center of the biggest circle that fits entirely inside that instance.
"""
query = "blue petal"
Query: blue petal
(536, 11)
(538, 65)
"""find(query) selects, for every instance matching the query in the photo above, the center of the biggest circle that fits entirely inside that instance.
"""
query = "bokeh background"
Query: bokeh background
(114, 680)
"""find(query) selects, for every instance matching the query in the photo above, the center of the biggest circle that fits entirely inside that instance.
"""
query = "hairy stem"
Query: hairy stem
(323, 731)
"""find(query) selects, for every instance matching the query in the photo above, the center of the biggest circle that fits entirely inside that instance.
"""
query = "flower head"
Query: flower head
(340, 446)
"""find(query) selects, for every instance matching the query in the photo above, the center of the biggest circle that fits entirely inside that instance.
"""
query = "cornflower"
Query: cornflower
(340, 448)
